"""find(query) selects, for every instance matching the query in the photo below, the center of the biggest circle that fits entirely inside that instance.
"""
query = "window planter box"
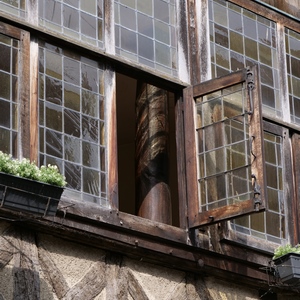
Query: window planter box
(288, 268)
(27, 195)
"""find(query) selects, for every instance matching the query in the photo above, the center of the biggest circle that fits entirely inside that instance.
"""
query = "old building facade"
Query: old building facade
(176, 124)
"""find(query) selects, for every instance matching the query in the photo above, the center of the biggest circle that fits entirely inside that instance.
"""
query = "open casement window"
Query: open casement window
(224, 148)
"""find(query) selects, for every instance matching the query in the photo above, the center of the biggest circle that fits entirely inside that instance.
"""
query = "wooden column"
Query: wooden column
(153, 200)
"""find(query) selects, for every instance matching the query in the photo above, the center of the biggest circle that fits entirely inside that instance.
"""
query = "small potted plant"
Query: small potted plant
(287, 263)
(25, 187)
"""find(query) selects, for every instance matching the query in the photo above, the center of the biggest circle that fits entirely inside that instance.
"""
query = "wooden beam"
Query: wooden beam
(24, 95)
(219, 83)
(268, 13)
(156, 245)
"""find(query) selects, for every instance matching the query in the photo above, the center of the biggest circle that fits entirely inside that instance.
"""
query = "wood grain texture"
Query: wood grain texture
(25, 271)
(52, 273)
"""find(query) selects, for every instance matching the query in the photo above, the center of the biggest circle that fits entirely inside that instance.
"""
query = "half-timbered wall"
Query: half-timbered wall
(69, 73)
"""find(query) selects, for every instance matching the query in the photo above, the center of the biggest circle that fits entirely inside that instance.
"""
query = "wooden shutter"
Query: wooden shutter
(224, 148)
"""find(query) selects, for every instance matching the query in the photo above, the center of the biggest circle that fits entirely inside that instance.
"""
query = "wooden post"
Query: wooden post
(152, 189)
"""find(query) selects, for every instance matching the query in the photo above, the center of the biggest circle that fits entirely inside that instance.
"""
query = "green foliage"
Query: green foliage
(282, 250)
(26, 169)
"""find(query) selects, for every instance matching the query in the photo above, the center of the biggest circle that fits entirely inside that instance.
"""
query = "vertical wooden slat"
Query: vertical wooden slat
(24, 96)
(294, 217)
(109, 28)
(256, 138)
(111, 135)
(190, 154)
(193, 33)
(34, 121)
(182, 41)
(25, 271)
(179, 129)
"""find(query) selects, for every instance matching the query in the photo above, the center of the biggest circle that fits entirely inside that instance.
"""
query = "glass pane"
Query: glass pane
(5, 114)
(54, 143)
(53, 90)
(54, 65)
(88, 25)
(90, 153)
(5, 53)
(90, 103)
(91, 181)
(72, 96)
(73, 176)
(71, 18)
(5, 85)
(146, 47)
(72, 123)
(72, 149)
(273, 224)
(71, 71)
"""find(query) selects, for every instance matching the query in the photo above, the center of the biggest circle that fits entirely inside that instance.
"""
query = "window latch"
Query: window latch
(250, 86)
(256, 193)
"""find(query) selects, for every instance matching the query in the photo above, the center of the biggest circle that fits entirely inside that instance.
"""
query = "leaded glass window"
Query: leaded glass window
(225, 170)
(9, 93)
(146, 33)
(292, 42)
(269, 225)
(223, 147)
(14, 7)
(79, 20)
(72, 121)
(240, 38)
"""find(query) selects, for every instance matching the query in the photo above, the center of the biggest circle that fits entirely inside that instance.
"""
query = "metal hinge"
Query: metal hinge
(256, 193)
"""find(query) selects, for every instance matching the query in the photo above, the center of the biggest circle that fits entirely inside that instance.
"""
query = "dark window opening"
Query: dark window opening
(126, 95)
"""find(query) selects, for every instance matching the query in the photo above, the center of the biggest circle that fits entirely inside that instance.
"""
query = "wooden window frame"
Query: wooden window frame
(196, 218)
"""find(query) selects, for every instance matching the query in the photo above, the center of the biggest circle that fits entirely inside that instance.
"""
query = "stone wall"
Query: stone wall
(40, 266)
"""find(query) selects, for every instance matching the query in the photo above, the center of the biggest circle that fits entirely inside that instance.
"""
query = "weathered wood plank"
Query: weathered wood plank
(294, 209)
(135, 289)
(116, 277)
(219, 83)
(10, 30)
(223, 213)
(52, 273)
(190, 153)
(34, 121)
(183, 41)
(124, 221)
(111, 127)
(25, 271)
(268, 13)
(24, 100)
(6, 247)
(179, 129)
(90, 285)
